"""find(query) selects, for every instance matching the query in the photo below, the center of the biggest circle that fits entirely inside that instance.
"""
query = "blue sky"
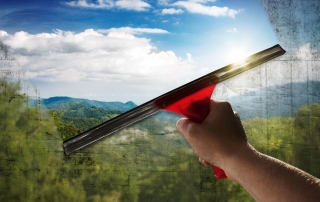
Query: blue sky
(120, 50)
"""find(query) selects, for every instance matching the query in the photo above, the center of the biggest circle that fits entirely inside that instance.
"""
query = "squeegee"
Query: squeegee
(191, 100)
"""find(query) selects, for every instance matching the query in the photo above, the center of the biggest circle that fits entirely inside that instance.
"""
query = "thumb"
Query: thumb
(183, 125)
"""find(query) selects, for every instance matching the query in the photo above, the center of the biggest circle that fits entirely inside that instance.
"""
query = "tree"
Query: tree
(33, 166)
(307, 134)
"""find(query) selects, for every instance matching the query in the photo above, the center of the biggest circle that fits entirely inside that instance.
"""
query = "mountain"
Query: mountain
(277, 100)
(114, 106)
(74, 109)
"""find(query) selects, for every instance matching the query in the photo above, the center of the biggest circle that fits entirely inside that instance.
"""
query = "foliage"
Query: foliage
(66, 130)
(273, 136)
(307, 139)
(81, 111)
(148, 161)
(294, 140)
(32, 164)
(73, 118)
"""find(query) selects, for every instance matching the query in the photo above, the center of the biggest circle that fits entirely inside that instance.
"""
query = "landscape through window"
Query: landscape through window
(278, 102)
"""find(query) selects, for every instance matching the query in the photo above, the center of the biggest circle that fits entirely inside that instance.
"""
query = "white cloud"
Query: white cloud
(3, 33)
(92, 56)
(85, 4)
(137, 5)
(130, 30)
(197, 6)
(306, 53)
(233, 30)
(163, 2)
(202, 1)
(171, 11)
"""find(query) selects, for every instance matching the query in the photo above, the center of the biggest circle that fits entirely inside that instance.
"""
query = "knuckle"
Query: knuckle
(221, 103)
(225, 104)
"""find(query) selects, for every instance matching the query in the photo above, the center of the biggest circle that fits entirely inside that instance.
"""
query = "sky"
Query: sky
(128, 50)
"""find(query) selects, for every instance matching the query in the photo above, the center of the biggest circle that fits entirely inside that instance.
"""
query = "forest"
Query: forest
(148, 161)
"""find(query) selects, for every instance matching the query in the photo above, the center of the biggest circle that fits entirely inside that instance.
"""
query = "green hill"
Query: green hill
(80, 116)
(55, 101)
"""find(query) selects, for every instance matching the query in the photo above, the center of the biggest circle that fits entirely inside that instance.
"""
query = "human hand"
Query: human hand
(218, 138)
(221, 141)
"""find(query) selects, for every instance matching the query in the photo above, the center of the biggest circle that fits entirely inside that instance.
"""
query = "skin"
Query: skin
(220, 140)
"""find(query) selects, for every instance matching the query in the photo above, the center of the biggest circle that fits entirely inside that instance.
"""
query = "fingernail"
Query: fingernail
(177, 124)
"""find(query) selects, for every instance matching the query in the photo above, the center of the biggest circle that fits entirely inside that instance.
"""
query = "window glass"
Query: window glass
(68, 66)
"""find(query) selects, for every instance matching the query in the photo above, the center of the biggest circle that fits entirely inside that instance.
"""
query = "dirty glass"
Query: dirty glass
(278, 102)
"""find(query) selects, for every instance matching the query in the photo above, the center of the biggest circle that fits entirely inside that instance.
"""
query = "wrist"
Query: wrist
(236, 165)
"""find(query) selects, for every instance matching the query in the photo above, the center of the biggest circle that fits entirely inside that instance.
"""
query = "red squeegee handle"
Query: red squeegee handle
(192, 101)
